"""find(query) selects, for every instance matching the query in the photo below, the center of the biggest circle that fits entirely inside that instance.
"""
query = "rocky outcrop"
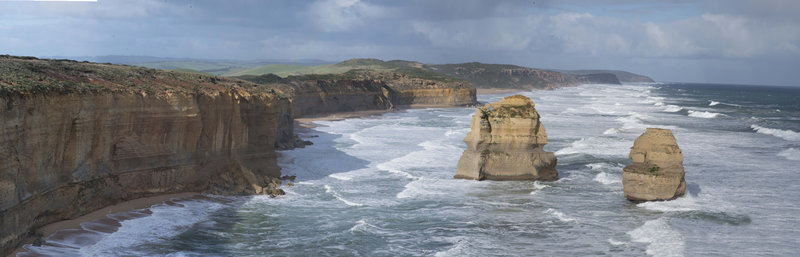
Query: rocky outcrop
(657, 169)
(75, 138)
(506, 143)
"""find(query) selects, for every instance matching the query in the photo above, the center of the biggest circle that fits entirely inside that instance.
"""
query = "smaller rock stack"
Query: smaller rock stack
(657, 169)
(506, 143)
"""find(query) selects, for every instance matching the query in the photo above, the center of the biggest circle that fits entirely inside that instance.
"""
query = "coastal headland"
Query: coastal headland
(78, 137)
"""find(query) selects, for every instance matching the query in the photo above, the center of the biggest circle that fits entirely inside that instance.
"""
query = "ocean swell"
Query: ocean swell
(785, 134)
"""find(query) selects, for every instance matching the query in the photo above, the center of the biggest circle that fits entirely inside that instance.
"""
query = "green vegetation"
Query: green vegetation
(387, 75)
(216, 68)
(484, 75)
(516, 111)
(653, 169)
(266, 69)
(31, 75)
(337, 68)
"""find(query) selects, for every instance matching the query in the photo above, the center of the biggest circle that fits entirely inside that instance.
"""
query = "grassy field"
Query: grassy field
(215, 68)
(284, 70)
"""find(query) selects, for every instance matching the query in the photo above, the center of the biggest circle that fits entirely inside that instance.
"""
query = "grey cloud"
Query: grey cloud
(735, 35)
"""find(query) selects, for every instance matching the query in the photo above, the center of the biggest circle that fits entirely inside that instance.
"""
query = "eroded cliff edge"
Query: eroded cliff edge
(76, 137)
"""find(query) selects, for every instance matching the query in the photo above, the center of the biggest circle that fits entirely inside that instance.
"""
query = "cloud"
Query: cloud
(705, 36)
(342, 15)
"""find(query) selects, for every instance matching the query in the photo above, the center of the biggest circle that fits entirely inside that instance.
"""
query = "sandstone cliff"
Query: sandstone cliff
(506, 143)
(359, 90)
(657, 169)
(76, 137)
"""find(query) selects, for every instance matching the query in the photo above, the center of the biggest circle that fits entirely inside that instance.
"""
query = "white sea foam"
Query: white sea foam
(611, 131)
(662, 240)
(790, 154)
(431, 187)
(607, 179)
(712, 103)
(539, 186)
(329, 190)
(603, 166)
(615, 242)
(673, 108)
(782, 133)
(461, 247)
(456, 132)
(340, 176)
(682, 204)
(634, 120)
(166, 222)
(704, 114)
(364, 227)
(559, 215)
(598, 146)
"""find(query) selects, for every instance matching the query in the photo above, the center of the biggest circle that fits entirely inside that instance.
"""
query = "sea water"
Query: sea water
(383, 186)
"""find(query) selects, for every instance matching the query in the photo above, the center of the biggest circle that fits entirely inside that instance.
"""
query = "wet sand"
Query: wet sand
(105, 220)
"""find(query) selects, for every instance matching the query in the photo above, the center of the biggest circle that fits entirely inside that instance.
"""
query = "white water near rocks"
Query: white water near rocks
(383, 186)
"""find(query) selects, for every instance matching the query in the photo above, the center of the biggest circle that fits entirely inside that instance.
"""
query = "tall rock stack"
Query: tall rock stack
(506, 143)
(657, 169)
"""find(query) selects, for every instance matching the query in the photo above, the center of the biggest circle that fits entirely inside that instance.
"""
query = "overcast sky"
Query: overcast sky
(726, 41)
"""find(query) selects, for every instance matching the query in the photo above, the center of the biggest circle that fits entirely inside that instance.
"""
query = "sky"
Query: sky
(726, 41)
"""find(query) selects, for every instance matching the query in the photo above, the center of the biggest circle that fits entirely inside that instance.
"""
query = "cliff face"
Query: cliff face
(76, 137)
(657, 169)
(506, 143)
(64, 153)
(359, 90)
(403, 90)
(328, 96)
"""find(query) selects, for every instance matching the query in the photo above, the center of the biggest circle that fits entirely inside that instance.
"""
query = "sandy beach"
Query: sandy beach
(101, 215)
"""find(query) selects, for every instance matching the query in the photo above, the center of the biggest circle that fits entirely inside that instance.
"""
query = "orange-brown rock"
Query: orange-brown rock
(506, 143)
(75, 138)
(657, 169)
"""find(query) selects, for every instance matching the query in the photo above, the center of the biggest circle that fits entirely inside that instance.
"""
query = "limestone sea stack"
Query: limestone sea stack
(506, 143)
(657, 169)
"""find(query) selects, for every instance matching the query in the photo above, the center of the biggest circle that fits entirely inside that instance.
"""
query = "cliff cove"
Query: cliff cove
(382, 184)
(80, 136)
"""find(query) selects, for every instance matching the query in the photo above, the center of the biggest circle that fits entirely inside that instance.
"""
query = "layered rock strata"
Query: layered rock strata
(506, 143)
(76, 137)
(657, 169)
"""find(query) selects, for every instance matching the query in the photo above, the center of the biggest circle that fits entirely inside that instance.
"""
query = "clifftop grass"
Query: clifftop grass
(386, 75)
(27, 75)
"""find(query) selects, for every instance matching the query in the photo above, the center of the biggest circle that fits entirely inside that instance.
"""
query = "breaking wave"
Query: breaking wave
(782, 133)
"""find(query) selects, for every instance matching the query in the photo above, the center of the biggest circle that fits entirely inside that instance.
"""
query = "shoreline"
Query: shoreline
(126, 206)
(302, 124)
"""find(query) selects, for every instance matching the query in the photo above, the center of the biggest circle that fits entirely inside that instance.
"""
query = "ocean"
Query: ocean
(383, 186)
